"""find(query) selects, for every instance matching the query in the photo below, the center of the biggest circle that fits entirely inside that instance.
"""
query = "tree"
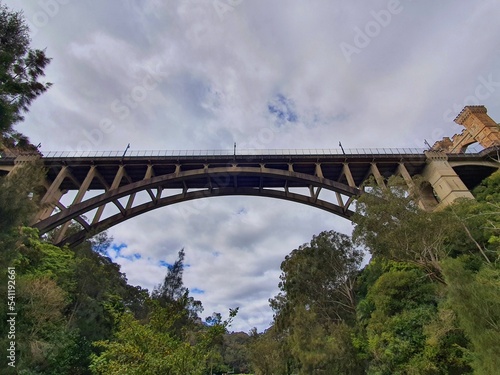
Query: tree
(236, 353)
(320, 276)
(143, 349)
(317, 305)
(404, 326)
(473, 277)
(269, 353)
(20, 69)
(174, 296)
(475, 297)
(18, 198)
(390, 223)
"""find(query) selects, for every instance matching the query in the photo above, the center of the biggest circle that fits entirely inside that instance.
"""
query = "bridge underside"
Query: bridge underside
(473, 175)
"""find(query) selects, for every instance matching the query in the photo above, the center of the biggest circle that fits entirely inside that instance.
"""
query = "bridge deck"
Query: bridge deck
(136, 167)
(165, 162)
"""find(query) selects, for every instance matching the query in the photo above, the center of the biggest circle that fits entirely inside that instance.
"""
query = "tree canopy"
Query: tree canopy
(21, 68)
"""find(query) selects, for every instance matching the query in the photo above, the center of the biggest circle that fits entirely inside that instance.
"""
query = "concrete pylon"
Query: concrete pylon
(446, 183)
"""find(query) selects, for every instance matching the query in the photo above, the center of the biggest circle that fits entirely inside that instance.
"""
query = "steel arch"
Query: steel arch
(213, 188)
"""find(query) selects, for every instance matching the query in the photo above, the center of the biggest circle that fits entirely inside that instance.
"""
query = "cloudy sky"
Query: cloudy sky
(267, 74)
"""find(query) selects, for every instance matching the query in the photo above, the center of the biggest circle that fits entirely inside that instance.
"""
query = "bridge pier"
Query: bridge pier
(446, 184)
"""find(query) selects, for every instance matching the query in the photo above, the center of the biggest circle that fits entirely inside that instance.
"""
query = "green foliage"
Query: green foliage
(402, 303)
(489, 190)
(235, 352)
(390, 224)
(475, 297)
(401, 328)
(269, 354)
(141, 349)
(101, 290)
(320, 276)
(150, 348)
(20, 69)
(19, 192)
(317, 304)
(174, 296)
(322, 348)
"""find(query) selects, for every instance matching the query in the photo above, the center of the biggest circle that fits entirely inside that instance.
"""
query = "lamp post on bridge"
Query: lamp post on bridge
(342, 148)
(123, 156)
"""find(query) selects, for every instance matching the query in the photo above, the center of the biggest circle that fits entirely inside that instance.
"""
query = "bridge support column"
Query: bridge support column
(346, 171)
(116, 183)
(378, 177)
(79, 196)
(443, 179)
(52, 196)
(426, 200)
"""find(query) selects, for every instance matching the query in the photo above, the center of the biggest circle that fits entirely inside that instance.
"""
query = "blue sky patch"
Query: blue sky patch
(283, 109)
(162, 263)
(197, 291)
(119, 247)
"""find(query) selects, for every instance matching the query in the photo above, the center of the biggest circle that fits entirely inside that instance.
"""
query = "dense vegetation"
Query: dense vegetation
(427, 302)
(76, 314)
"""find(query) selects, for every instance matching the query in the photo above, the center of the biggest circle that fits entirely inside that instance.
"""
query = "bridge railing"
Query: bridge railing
(238, 152)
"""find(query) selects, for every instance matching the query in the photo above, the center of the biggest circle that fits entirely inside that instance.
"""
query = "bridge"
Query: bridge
(141, 181)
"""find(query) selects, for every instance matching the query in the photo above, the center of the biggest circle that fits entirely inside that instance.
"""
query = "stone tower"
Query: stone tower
(479, 127)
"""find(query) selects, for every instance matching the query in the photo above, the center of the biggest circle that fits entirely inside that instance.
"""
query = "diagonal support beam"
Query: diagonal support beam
(346, 171)
(116, 183)
(78, 219)
(78, 198)
(149, 173)
(340, 200)
(52, 196)
(54, 187)
(348, 203)
(406, 176)
(120, 207)
(378, 177)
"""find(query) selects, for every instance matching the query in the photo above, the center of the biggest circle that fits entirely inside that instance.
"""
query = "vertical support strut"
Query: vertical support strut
(116, 183)
(52, 196)
(319, 171)
(78, 198)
